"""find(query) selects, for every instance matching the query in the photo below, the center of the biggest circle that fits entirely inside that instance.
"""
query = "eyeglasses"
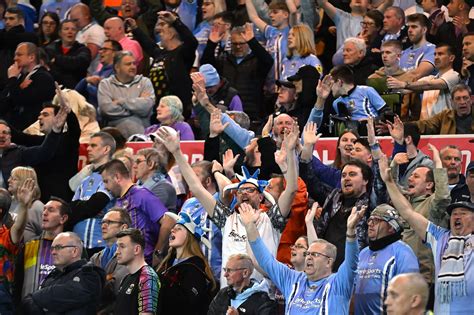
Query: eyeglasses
(316, 254)
(248, 190)
(109, 222)
(374, 221)
(230, 270)
(138, 161)
(59, 247)
(364, 24)
(105, 48)
(298, 246)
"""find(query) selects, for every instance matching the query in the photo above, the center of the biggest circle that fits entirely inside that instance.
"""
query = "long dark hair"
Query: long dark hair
(43, 40)
(338, 163)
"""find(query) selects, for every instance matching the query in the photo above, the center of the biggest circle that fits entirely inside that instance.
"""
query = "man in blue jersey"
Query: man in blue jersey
(91, 200)
(452, 249)
(316, 290)
(385, 257)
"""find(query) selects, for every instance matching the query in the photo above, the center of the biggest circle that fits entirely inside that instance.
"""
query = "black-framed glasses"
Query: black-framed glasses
(60, 247)
(316, 254)
(109, 222)
(230, 270)
(374, 221)
(237, 44)
(248, 190)
(106, 48)
(298, 246)
(364, 24)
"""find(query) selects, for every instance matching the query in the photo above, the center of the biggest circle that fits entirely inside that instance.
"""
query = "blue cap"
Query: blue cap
(210, 75)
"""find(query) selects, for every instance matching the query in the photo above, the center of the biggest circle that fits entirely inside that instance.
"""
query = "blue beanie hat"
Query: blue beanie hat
(210, 75)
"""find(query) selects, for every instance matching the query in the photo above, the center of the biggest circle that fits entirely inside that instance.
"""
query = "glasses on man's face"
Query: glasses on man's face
(316, 254)
(109, 222)
(364, 24)
(105, 49)
(248, 190)
(298, 246)
(60, 247)
(374, 221)
(231, 270)
(138, 161)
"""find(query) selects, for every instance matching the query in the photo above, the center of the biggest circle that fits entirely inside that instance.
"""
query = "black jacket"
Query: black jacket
(247, 77)
(54, 174)
(21, 104)
(22, 156)
(76, 290)
(460, 192)
(177, 63)
(185, 288)
(8, 42)
(258, 303)
(68, 69)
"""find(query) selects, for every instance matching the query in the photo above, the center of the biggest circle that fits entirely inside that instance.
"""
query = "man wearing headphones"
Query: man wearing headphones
(243, 295)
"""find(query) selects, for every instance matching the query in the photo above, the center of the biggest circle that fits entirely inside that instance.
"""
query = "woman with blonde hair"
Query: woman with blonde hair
(169, 112)
(301, 51)
(17, 177)
(187, 283)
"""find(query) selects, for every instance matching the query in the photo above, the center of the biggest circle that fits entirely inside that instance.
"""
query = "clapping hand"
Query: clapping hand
(248, 215)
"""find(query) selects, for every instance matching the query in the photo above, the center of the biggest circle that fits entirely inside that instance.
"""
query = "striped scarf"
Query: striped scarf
(451, 281)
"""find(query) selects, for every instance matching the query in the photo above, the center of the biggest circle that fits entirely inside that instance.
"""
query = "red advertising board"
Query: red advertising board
(325, 148)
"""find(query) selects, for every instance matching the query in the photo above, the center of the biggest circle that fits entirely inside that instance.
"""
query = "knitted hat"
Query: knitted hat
(192, 225)
(210, 75)
(390, 215)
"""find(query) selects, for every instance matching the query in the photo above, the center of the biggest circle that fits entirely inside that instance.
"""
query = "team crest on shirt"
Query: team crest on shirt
(372, 259)
(130, 289)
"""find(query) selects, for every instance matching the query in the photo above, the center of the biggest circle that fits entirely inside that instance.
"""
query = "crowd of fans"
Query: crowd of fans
(261, 225)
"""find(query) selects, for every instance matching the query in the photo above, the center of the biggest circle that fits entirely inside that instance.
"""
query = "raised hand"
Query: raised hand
(436, 156)
(396, 129)
(228, 161)
(291, 137)
(314, 212)
(248, 34)
(215, 36)
(355, 217)
(280, 158)
(268, 126)
(25, 193)
(215, 125)
(167, 16)
(168, 139)
(60, 118)
(199, 88)
(371, 131)
(324, 87)
(130, 22)
(216, 167)
(401, 158)
(385, 171)
(309, 133)
(248, 215)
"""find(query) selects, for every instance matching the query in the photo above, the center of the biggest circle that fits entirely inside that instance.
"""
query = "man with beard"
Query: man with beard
(386, 257)
(452, 249)
(249, 191)
(419, 58)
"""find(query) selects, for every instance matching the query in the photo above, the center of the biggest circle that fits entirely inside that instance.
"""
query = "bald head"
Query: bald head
(282, 123)
(114, 28)
(66, 249)
(407, 294)
(81, 15)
